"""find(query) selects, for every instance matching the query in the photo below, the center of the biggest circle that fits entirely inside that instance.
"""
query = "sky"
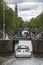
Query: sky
(18, 1)
(27, 9)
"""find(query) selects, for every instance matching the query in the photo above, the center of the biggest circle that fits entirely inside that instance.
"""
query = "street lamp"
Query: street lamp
(3, 20)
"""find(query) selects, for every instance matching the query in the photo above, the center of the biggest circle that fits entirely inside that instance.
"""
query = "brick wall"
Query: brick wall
(6, 45)
(38, 46)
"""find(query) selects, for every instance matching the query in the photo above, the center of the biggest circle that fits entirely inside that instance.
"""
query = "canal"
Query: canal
(21, 61)
(9, 59)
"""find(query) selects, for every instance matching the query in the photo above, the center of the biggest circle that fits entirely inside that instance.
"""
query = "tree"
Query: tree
(1, 14)
(8, 18)
(20, 22)
(37, 22)
(12, 21)
(32, 22)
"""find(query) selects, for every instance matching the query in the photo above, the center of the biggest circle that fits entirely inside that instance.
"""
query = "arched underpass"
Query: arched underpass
(9, 45)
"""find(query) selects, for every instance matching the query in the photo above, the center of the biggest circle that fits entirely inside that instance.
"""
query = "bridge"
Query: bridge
(9, 44)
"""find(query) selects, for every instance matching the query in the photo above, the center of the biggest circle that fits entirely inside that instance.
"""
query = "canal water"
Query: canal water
(23, 61)
(9, 58)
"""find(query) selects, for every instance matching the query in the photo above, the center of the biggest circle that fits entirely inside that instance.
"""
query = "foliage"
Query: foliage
(11, 20)
(37, 22)
(1, 14)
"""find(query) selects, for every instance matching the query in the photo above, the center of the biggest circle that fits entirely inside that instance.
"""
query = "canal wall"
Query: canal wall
(9, 45)
(37, 46)
(6, 45)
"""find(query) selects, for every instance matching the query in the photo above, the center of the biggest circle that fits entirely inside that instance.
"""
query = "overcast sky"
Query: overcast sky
(26, 8)
(18, 1)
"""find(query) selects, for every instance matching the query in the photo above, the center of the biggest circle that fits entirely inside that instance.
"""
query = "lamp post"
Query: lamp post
(3, 20)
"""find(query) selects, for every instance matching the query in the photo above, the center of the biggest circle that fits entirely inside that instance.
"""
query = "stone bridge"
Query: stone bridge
(9, 45)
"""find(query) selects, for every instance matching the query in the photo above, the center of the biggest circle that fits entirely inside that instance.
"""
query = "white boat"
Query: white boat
(23, 50)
